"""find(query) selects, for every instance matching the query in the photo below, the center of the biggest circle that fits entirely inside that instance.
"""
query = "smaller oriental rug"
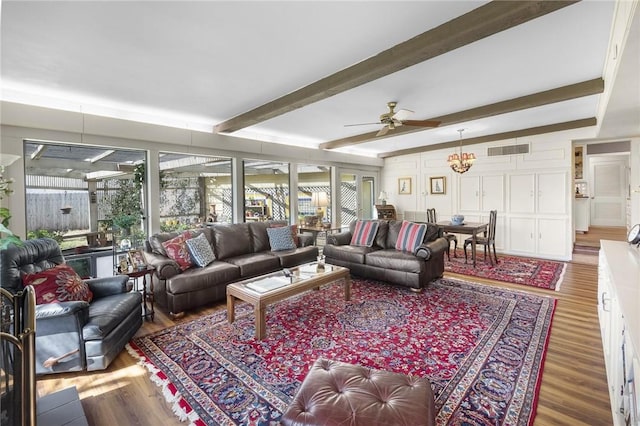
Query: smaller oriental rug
(527, 271)
(481, 347)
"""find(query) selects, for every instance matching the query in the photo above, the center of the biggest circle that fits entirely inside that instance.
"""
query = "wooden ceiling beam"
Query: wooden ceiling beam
(564, 93)
(484, 21)
(454, 144)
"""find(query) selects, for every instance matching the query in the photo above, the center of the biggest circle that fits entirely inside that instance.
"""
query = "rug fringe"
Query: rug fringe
(179, 405)
(564, 269)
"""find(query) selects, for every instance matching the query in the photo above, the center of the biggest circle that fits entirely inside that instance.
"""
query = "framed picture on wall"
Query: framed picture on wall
(404, 185)
(437, 185)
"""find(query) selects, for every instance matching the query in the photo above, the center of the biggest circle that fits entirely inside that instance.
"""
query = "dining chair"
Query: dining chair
(432, 218)
(488, 240)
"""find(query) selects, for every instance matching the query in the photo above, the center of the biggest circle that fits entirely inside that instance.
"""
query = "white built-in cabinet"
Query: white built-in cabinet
(533, 210)
(538, 214)
(619, 317)
(542, 193)
(481, 193)
(544, 237)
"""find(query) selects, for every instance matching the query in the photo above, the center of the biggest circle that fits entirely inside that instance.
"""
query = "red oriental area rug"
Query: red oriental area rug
(528, 271)
(482, 348)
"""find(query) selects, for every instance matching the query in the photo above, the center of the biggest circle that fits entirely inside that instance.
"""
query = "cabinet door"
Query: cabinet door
(521, 193)
(522, 234)
(552, 193)
(552, 237)
(469, 193)
(492, 193)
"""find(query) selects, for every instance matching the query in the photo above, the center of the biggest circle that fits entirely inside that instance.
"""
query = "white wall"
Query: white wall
(551, 154)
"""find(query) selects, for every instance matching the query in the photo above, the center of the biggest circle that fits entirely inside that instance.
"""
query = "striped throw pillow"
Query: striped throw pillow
(364, 233)
(410, 236)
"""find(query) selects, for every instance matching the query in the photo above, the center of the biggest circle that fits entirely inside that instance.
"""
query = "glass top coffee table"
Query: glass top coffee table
(265, 290)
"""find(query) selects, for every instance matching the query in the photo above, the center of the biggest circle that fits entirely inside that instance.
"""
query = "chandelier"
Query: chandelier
(462, 162)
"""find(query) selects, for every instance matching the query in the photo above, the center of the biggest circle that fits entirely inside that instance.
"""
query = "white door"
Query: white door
(357, 196)
(608, 188)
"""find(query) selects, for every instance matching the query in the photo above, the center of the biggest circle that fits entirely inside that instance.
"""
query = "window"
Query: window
(193, 190)
(266, 190)
(314, 192)
(75, 192)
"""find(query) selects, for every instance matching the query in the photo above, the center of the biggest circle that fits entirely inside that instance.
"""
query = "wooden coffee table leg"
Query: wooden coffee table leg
(260, 322)
(231, 309)
(347, 288)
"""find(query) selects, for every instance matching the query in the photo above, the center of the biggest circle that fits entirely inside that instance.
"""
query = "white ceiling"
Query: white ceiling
(200, 63)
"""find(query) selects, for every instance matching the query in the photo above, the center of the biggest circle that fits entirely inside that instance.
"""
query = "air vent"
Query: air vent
(508, 150)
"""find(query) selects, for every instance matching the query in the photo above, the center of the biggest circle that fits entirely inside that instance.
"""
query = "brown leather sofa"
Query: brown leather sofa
(242, 251)
(383, 262)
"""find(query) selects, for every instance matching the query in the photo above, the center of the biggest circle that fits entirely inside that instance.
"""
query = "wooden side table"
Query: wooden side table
(147, 296)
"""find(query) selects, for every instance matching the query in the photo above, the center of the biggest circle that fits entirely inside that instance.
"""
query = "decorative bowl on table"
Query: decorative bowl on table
(457, 219)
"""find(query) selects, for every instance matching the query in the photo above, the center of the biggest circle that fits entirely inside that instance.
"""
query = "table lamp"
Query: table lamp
(383, 198)
(319, 200)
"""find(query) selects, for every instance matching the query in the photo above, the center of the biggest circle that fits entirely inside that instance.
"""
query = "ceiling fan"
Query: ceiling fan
(393, 119)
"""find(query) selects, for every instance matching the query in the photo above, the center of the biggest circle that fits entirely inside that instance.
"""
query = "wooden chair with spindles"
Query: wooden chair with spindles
(432, 218)
(488, 241)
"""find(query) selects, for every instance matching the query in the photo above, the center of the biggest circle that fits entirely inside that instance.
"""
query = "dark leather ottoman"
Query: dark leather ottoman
(335, 393)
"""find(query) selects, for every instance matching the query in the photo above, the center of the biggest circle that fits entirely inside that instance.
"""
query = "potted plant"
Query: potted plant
(6, 236)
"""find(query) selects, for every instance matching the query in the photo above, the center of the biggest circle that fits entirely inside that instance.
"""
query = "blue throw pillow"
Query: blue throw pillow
(200, 250)
(280, 238)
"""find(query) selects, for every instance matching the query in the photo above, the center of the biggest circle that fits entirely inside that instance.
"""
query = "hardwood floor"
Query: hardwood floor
(596, 233)
(573, 389)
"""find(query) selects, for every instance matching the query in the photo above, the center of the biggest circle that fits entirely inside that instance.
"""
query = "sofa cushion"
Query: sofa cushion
(255, 263)
(156, 240)
(298, 256)
(410, 236)
(294, 232)
(364, 233)
(433, 232)
(200, 250)
(353, 254)
(280, 238)
(106, 313)
(394, 260)
(58, 284)
(196, 279)
(176, 249)
(393, 229)
(259, 237)
(232, 240)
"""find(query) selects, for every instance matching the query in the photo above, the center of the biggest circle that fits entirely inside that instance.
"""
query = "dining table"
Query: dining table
(468, 228)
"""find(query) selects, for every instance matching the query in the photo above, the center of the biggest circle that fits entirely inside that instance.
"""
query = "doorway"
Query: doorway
(609, 183)
(357, 195)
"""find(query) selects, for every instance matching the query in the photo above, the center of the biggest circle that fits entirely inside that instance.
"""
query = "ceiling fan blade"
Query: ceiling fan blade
(383, 131)
(362, 124)
(402, 114)
(421, 123)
